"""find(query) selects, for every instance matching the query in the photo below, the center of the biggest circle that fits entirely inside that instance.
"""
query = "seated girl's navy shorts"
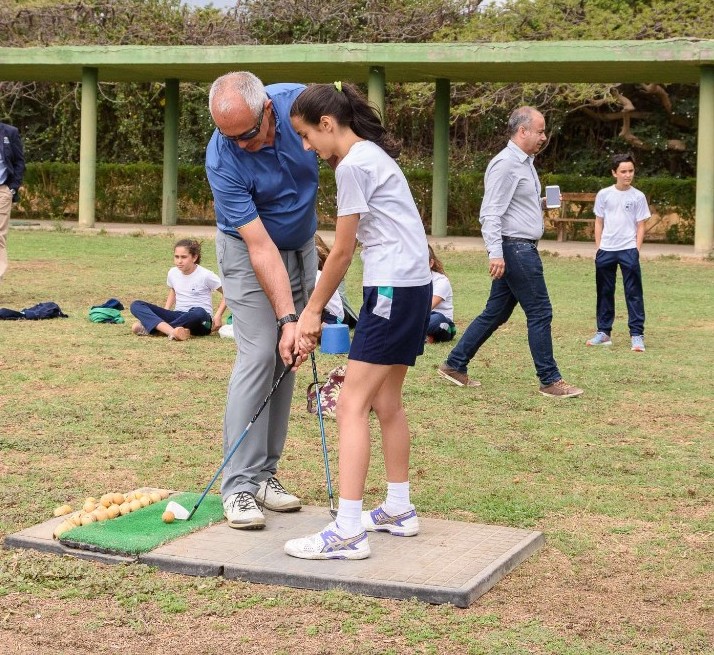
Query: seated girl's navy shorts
(392, 325)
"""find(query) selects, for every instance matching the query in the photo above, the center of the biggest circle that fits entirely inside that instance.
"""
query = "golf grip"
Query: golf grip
(276, 384)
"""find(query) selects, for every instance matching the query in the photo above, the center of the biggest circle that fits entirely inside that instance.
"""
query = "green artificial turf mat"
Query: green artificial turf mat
(144, 530)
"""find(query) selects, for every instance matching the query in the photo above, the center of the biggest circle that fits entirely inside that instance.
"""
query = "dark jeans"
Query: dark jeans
(435, 329)
(524, 284)
(197, 320)
(606, 263)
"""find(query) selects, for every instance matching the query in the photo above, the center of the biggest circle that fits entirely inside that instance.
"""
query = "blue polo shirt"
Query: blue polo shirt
(278, 183)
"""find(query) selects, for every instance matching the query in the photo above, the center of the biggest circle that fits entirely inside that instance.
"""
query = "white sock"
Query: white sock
(397, 498)
(349, 517)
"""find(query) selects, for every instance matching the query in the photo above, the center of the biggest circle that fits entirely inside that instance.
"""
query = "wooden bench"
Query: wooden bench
(572, 207)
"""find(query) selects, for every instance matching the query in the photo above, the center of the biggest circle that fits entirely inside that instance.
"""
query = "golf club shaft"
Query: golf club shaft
(316, 381)
(276, 384)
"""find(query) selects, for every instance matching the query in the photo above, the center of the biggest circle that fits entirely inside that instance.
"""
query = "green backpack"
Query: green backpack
(105, 315)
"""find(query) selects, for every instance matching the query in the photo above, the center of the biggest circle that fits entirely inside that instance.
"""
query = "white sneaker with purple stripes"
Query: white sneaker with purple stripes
(405, 524)
(329, 544)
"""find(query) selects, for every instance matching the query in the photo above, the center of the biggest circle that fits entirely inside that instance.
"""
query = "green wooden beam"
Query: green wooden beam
(88, 149)
(704, 221)
(440, 181)
(170, 186)
(376, 90)
(667, 60)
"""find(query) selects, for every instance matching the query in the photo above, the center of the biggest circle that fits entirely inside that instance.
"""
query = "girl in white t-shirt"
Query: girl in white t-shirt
(188, 310)
(374, 206)
(441, 322)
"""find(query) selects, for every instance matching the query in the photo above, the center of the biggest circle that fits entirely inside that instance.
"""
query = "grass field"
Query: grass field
(619, 480)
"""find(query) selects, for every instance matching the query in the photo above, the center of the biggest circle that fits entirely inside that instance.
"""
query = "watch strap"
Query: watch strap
(288, 318)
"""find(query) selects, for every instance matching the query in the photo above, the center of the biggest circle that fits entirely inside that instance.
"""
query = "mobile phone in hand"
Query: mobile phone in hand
(552, 196)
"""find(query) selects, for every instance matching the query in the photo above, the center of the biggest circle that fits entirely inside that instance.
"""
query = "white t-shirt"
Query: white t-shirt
(620, 211)
(334, 305)
(193, 290)
(394, 248)
(442, 288)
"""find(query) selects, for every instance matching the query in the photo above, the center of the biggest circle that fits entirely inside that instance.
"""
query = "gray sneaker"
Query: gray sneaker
(456, 377)
(273, 496)
(638, 343)
(560, 389)
(242, 512)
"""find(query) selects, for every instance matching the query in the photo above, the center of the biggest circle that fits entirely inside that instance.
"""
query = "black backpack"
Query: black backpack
(34, 313)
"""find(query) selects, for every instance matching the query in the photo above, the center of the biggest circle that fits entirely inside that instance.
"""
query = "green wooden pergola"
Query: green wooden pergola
(688, 61)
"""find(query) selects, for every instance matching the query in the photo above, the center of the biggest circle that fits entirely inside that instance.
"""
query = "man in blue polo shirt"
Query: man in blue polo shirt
(264, 187)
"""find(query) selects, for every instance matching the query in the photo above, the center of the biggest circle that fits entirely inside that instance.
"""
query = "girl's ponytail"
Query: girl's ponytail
(350, 108)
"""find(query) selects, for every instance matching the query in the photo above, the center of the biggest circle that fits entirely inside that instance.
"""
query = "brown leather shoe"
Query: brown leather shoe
(456, 377)
(560, 389)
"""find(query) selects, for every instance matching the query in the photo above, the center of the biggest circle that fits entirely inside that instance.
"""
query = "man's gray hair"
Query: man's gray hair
(521, 116)
(225, 90)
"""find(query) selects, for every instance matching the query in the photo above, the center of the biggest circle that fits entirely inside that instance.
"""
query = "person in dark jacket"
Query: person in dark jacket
(12, 170)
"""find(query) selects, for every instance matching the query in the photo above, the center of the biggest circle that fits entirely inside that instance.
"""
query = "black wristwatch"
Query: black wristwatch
(288, 318)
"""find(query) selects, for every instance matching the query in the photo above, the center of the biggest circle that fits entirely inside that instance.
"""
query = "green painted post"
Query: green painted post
(440, 180)
(88, 148)
(170, 184)
(704, 221)
(376, 89)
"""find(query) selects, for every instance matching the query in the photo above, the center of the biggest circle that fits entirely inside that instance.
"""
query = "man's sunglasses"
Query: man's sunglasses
(250, 134)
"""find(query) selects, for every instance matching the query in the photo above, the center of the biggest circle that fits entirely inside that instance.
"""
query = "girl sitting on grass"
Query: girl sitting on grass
(441, 322)
(374, 205)
(188, 310)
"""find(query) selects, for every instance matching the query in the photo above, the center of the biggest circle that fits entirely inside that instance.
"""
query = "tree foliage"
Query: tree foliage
(655, 121)
(588, 121)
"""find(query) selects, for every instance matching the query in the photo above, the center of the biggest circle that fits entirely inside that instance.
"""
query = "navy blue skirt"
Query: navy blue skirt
(392, 325)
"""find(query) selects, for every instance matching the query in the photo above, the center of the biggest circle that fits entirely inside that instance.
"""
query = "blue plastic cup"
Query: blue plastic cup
(335, 339)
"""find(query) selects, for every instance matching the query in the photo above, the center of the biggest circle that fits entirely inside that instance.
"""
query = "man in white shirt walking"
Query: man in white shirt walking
(512, 223)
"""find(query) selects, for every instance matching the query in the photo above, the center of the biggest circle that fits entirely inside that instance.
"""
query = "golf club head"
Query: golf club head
(333, 512)
(179, 511)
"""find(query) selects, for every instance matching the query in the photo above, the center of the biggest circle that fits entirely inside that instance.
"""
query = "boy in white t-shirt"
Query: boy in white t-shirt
(620, 215)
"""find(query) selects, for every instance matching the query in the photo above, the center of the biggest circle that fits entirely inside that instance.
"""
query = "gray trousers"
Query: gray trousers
(257, 364)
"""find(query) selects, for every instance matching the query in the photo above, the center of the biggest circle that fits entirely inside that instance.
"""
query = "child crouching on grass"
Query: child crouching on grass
(374, 205)
(188, 310)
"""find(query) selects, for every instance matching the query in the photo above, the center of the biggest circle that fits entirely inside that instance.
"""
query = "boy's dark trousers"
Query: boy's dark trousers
(606, 262)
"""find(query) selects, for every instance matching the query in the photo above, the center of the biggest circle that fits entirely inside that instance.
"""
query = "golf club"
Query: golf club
(276, 384)
(325, 457)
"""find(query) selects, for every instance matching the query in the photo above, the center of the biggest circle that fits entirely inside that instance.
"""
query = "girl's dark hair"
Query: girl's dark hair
(322, 251)
(437, 265)
(348, 106)
(193, 247)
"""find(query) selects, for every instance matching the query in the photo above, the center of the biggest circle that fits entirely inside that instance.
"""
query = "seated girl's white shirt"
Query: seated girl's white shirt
(193, 290)
(334, 305)
(442, 288)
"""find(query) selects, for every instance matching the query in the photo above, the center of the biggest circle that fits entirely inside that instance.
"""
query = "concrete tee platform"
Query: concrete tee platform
(448, 562)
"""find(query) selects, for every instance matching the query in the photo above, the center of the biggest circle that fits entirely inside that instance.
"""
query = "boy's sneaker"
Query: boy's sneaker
(405, 524)
(458, 378)
(273, 496)
(329, 544)
(600, 339)
(638, 343)
(560, 389)
(139, 330)
(242, 512)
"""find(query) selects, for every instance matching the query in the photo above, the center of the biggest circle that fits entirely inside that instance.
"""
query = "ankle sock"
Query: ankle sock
(397, 498)
(349, 517)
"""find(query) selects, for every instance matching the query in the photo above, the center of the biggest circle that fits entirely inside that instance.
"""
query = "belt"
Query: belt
(520, 239)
